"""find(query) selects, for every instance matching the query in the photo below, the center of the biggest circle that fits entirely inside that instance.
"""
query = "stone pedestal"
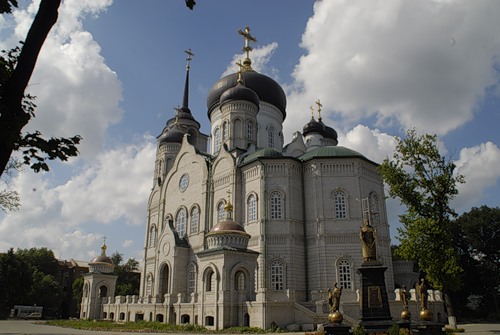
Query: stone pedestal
(336, 329)
(374, 304)
(428, 328)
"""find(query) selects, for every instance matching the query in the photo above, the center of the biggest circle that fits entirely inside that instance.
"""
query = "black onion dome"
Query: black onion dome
(330, 132)
(172, 136)
(239, 92)
(266, 88)
(313, 126)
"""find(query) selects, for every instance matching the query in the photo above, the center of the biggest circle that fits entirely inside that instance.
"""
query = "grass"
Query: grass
(140, 326)
(148, 327)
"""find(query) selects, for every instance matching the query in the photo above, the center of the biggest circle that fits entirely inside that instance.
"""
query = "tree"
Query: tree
(44, 289)
(15, 282)
(477, 236)
(77, 290)
(9, 199)
(425, 183)
(128, 280)
(16, 108)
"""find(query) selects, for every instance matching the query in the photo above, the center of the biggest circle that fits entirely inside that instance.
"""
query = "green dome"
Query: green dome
(331, 151)
(262, 153)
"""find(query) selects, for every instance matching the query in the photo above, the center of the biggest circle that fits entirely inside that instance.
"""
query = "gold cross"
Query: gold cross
(312, 111)
(248, 38)
(319, 108)
(189, 53)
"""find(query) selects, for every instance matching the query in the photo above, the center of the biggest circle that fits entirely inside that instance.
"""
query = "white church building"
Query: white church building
(254, 231)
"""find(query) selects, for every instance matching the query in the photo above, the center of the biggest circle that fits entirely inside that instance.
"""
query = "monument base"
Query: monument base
(374, 303)
(428, 328)
(336, 329)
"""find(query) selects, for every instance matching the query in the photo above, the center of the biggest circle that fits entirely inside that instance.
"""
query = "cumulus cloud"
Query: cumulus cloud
(423, 64)
(77, 93)
(479, 166)
(112, 191)
(260, 61)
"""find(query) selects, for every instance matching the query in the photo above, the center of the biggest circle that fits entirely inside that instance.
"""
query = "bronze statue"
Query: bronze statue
(422, 291)
(368, 238)
(337, 292)
(403, 295)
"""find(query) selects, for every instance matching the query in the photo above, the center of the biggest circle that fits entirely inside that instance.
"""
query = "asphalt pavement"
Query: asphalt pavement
(22, 327)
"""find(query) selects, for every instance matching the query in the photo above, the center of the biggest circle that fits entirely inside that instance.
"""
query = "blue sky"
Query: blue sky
(113, 71)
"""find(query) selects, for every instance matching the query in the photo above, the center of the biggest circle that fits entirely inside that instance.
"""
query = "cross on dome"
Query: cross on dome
(189, 53)
(247, 48)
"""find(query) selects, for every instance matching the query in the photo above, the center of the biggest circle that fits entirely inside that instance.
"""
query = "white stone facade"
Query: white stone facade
(297, 212)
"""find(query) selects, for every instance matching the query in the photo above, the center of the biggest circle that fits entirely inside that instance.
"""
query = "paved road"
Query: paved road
(21, 327)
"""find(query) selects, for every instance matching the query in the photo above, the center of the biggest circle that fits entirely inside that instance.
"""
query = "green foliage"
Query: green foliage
(6, 5)
(477, 237)
(393, 329)
(243, 330)
(77, 290)
(358, 330)
(425, 182)
(28, 277)
(15, 281)
(142, 326)
(128, 281)
(9, 199)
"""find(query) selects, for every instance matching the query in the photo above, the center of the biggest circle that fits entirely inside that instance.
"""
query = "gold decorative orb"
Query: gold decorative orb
(405, 314)
(335, 317)
(425, 315)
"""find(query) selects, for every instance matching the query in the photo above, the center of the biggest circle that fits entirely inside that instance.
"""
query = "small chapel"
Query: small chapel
(245, 230)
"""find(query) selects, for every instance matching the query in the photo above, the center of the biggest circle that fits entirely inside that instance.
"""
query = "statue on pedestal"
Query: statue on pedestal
(368, 237)
(425, 314)
(403, 295)
(334, 303)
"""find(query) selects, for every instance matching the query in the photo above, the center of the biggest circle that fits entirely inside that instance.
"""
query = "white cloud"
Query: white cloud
(77, 93)
(260, 58)
(420, 64)
(112, 191)
(479, 166)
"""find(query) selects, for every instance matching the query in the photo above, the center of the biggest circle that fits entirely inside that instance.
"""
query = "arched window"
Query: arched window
(180, 222)
(152, 236)
(103, 291)
(344, 271)
(216, 140)
(224, 131)
(251, 208)
(220, 211)
(277, 275)
(195, 220)
(340, 205)
(86, 290)
(374, 209)
(191, 284)
(270, 136)
(276, 203)
(250, 130)
(149, 285)
(208, 280)
(239, 281)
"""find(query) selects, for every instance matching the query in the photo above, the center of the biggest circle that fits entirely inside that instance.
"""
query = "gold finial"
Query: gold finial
(240, 68)
(189, 53)
(229, 206)
(103, 248)
(319, 109)
(247, 48)
(312, 111)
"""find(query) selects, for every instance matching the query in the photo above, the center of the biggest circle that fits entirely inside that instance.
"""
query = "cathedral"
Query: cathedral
(243, 229)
